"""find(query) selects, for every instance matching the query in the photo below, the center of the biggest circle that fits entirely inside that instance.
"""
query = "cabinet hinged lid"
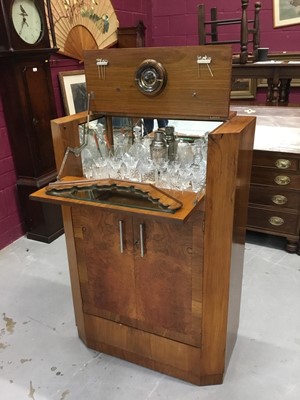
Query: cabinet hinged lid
(191, 82)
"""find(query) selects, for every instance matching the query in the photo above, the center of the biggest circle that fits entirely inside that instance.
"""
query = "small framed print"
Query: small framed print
(286, 12)
(73, 89)
(243, 88)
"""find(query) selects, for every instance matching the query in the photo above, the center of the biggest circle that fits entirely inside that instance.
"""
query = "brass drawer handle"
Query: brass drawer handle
(276, 221)
(282, 180)
(281, 163)
(279, 199)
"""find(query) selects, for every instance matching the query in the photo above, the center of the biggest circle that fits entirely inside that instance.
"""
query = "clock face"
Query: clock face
(27, 20)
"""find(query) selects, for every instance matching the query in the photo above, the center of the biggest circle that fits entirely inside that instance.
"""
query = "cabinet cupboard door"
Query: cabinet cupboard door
(141, 272)
(169, 279)
(106, 274)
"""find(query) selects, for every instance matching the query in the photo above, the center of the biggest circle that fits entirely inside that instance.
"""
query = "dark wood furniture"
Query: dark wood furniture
(275, 196)
(274, 202)
(278, 74)
(133, 36)
(249, 32)
(162, 289)
(28, 103)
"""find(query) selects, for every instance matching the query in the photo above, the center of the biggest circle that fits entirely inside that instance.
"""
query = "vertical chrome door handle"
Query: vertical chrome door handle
(142, 240)
(121, 236)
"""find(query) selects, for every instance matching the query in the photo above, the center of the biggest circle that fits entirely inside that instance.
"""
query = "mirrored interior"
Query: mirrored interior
(170, 154)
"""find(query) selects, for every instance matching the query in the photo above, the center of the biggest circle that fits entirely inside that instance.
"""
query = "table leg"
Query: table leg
(284, 90)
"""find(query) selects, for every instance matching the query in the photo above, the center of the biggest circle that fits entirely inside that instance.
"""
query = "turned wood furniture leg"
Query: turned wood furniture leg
(276, 82)
(270, 90)
(201, 24)
(292, 246)
(284, 90)
(244, 33)
(214, 26)
(256, 30)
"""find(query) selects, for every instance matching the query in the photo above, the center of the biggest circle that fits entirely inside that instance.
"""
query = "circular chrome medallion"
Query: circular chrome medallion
(150, 77)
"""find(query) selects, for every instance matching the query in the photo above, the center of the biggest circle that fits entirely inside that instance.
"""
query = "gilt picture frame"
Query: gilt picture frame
(286, 12)
(243, 88)
(73, 90)
(261, 82)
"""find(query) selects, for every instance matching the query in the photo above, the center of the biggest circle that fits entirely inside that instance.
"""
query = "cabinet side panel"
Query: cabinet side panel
(239, 233)
(74, 277)
(223, 151)
(197, 274)
(65, 134)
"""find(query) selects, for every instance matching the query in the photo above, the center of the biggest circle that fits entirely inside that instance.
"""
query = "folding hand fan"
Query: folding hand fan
(83, 25)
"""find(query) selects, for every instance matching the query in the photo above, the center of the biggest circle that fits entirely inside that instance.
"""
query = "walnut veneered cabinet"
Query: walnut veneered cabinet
(156, 288)
(148, 280)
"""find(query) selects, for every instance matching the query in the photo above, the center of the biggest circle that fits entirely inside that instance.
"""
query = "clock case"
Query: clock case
(29, 105)
(9, 38)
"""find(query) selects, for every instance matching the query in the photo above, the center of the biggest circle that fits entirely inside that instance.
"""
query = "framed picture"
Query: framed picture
(73, 89)
(286, 12)
(243, 88)
(261, 82)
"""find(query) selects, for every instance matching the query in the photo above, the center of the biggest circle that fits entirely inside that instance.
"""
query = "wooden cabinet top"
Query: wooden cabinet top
(277, 128)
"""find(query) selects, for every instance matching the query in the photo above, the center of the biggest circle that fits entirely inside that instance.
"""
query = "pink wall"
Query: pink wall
(130, 12)
(10, 223)
(168, 23)
(175, 23)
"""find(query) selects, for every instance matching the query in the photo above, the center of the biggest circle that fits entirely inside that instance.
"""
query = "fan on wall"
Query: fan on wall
(83, 25)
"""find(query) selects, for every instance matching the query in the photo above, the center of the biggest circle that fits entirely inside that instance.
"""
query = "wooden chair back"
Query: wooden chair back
(249, 29)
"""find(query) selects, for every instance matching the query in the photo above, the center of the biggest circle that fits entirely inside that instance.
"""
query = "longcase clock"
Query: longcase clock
(29, 106)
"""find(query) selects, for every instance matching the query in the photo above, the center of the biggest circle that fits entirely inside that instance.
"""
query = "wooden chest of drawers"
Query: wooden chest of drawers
(274, 202)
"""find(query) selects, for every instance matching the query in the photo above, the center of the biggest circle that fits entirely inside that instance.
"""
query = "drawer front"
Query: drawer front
(275, 197)
(273, 221)
(270, 177)
(279, 161)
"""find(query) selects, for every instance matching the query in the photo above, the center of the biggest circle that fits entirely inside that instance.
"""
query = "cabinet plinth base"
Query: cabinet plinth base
(156, 366)
(164, 355)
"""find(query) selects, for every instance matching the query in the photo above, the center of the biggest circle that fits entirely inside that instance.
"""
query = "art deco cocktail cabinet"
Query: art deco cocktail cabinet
(159, 285)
